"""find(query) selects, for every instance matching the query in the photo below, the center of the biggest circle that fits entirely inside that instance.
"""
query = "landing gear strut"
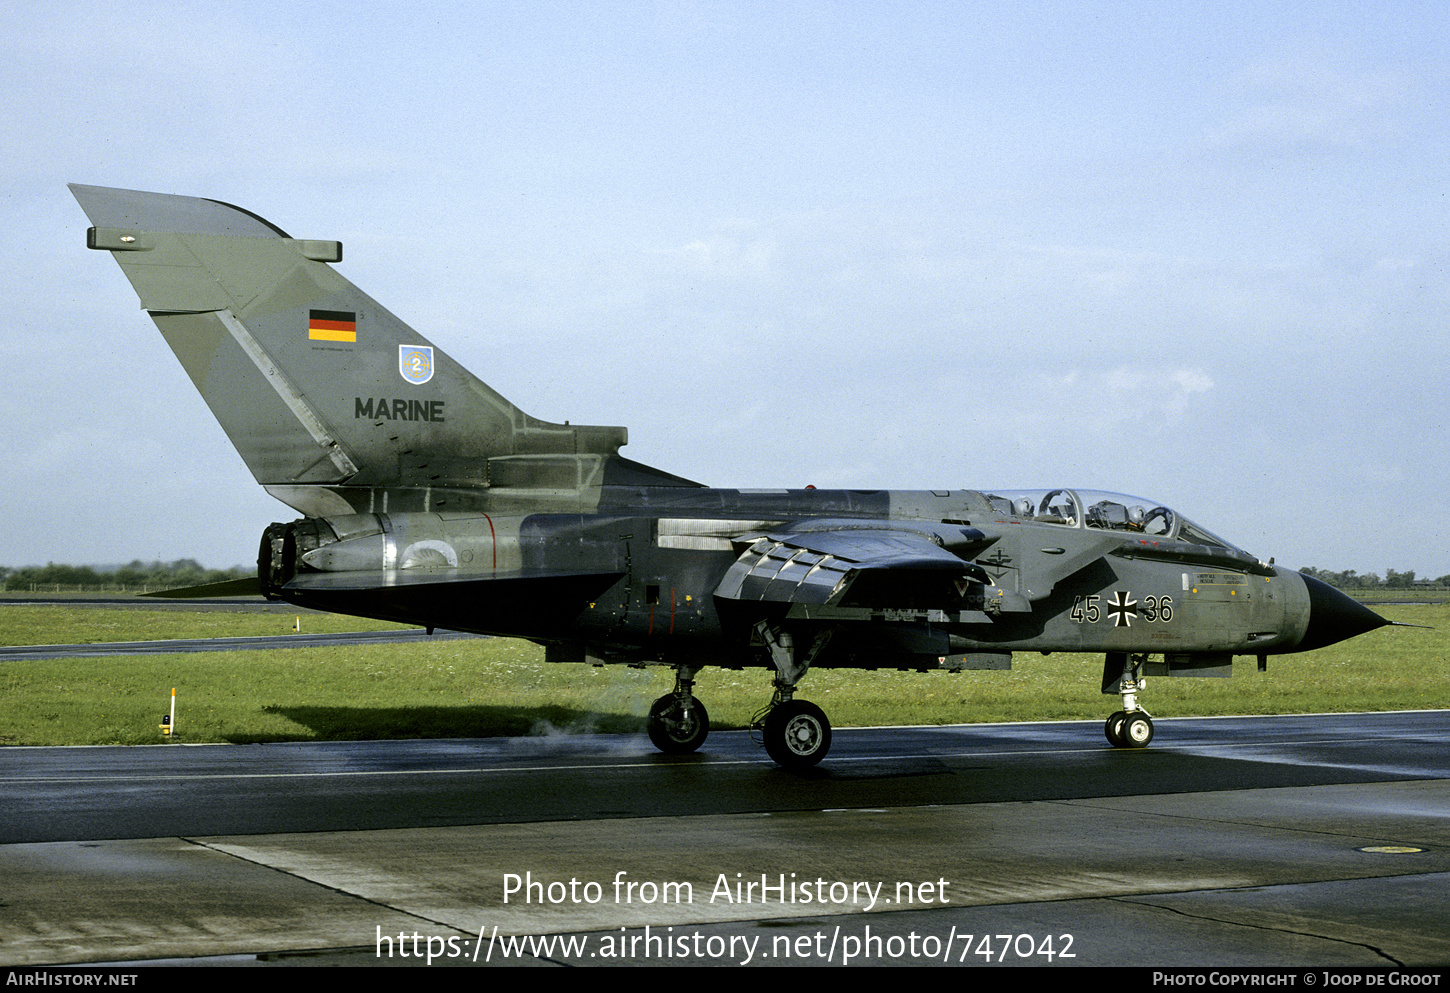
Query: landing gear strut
(678, 723)
(797, 734)
(1131, 727)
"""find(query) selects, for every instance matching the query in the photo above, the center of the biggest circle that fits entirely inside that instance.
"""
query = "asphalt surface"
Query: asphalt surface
(1265, 842)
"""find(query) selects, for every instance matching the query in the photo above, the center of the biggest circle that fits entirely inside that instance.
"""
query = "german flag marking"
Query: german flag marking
(332, 325)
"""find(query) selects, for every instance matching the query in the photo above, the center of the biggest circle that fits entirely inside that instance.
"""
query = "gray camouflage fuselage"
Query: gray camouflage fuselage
(428, 498)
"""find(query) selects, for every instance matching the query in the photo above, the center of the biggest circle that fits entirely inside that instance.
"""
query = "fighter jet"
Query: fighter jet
(428, 498)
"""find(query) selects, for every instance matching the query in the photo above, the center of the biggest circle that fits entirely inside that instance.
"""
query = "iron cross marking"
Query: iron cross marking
(1123, 609)
(997, 564)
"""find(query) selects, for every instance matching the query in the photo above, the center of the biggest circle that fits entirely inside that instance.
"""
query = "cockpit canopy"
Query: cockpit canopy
(1102, 511)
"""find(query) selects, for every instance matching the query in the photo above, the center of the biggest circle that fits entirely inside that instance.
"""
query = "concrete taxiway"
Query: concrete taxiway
(1288, 841)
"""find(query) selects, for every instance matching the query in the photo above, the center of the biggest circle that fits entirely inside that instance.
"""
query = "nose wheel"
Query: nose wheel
(1130, 727)
(1125, 730)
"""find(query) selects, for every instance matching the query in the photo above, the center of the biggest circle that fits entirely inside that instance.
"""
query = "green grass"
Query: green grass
(1416, 595)
(65, 625)
(497, 687)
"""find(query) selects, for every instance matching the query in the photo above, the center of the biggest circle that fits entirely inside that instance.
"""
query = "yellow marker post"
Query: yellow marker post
(168, 721)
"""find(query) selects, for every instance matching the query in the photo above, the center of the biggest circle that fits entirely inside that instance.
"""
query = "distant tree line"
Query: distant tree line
(135, 575)
(1351, 580)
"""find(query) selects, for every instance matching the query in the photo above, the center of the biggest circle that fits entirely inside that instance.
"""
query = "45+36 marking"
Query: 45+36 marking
(1122, 608)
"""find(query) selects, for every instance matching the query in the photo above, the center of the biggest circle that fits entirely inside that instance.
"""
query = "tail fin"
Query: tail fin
(335, 404)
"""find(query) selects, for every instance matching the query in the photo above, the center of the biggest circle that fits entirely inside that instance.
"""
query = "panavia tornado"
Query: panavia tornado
(428, 498)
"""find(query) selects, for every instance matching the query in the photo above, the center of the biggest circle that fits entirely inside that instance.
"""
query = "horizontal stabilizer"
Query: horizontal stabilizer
(249, 586)
(385, 579)
(521, 603)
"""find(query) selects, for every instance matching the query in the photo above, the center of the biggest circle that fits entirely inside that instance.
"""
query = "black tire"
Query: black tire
(1137, 731)
(670, 732)
(797, 734)
(1113, 729)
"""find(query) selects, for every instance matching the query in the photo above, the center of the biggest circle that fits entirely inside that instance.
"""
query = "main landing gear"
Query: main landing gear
(1131, 727)
(678, 723)
(796, 732)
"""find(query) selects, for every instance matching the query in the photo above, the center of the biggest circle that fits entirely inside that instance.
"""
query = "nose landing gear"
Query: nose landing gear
(1131, 727)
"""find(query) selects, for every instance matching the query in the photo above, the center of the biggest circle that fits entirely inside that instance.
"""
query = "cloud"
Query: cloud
(1311, 100)
(731, 251)
(1147, 399)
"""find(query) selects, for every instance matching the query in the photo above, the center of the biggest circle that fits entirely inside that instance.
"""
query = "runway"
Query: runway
(1265, 841)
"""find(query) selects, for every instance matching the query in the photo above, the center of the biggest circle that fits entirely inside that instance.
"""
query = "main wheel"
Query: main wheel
(1113, 728)
(673, 732)
(797, 734)
(1137, 731)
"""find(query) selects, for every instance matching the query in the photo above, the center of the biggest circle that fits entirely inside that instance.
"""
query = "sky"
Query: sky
(1192, 252)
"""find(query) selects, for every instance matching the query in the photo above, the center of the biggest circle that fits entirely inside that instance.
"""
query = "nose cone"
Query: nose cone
(1333, 617)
